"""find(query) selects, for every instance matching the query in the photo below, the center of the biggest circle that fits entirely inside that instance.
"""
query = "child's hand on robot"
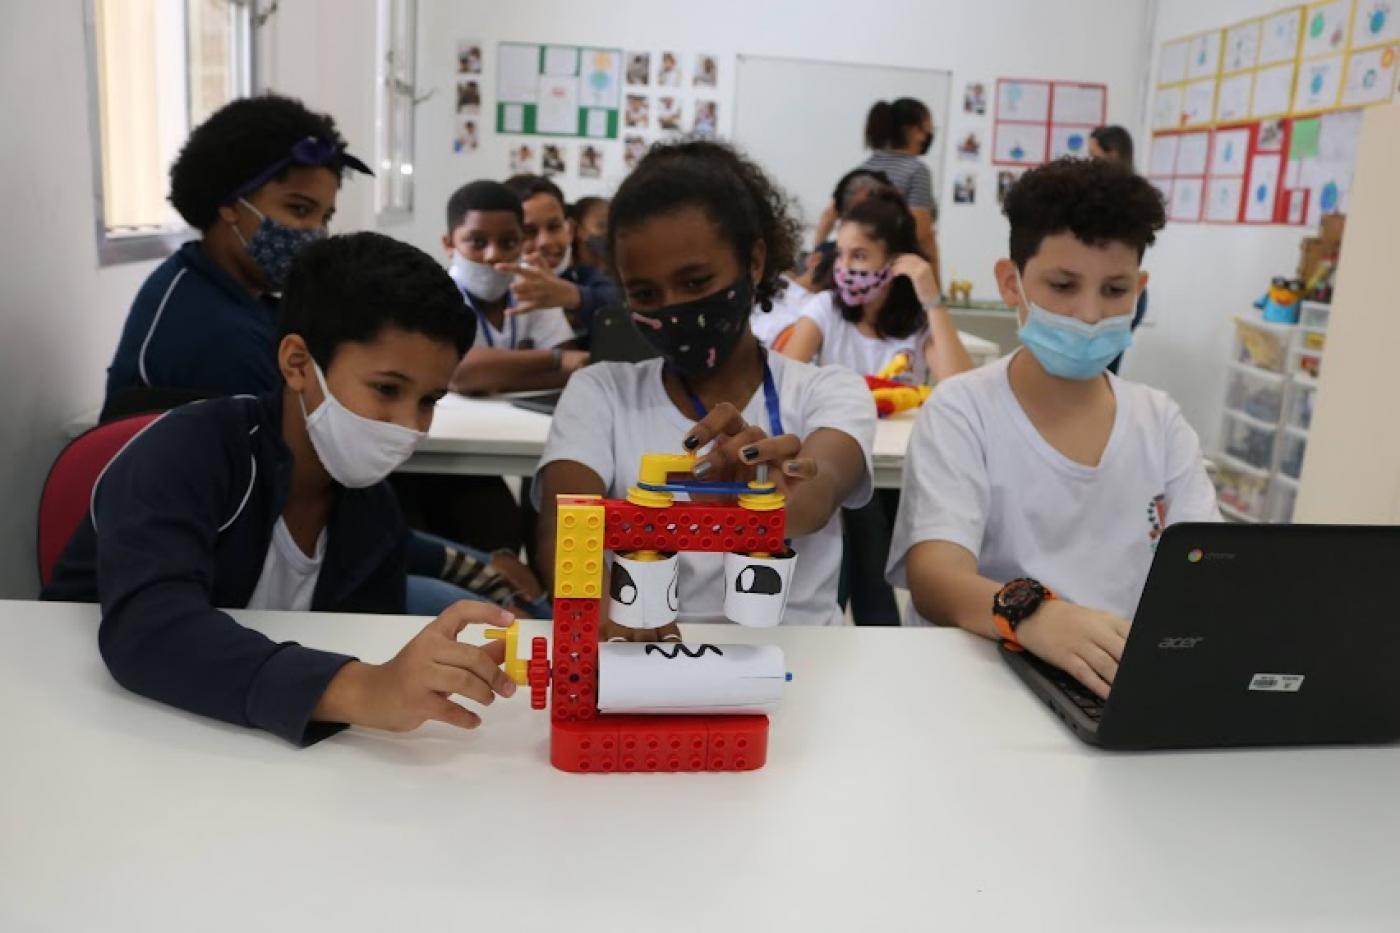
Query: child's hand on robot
(741, 448)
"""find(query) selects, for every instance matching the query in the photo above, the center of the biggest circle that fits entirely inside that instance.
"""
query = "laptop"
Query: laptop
(1249, 635)
(615, 339)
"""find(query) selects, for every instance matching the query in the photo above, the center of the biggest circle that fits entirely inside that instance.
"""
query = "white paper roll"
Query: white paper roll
(644, 593)
(671, 677)
(756, 588)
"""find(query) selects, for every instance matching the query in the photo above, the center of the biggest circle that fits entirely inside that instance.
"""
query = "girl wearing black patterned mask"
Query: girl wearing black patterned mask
(698, 237)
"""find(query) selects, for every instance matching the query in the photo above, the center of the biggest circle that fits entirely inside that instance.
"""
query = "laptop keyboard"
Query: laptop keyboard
(1077, 693)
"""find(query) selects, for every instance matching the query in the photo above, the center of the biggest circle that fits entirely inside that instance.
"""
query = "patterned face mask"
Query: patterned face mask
(274, 246)
(697, 336)
(857, 285)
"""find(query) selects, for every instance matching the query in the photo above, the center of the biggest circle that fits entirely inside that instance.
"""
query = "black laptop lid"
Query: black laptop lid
(1263, 634)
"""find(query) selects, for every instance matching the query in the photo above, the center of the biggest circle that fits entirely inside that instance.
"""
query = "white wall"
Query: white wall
(1202, 274)
(1087, 40)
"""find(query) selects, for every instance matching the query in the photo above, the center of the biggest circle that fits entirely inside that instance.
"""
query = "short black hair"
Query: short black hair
(729, 188)
(853, 181)
(1116, 141)
(527, 186)
(885, 217)
(239, 140)
(888, 123)
(580, 208)
(1099, 202)
(350, 288)
(484, 195)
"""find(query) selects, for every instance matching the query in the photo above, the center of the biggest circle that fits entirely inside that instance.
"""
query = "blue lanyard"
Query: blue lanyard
(485, 325)
(770, 398)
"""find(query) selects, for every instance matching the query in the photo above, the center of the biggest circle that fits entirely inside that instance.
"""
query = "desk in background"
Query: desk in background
(913, 784)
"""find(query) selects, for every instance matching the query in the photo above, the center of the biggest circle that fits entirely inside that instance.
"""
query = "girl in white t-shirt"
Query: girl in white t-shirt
(883, 300)
(697, 237)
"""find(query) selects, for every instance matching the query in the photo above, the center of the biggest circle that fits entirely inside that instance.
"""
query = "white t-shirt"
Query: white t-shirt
(544, 329)
(289, 577)
(612, 413)
(980, 475)
(787, 308)
(843, 344)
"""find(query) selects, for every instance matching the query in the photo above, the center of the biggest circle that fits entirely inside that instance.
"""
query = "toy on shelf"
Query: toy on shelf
(1281, 302)
(660, 706)
(892, 396)
(959, 291)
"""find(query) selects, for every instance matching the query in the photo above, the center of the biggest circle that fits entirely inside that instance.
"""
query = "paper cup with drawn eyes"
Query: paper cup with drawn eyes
(643, 588)
(756, 587)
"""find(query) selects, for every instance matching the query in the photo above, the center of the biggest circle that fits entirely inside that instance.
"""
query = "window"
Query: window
(393, 180)
(157, 68)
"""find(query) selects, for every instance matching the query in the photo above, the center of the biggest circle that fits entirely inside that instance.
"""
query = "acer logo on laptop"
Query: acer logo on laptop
(1179, 642)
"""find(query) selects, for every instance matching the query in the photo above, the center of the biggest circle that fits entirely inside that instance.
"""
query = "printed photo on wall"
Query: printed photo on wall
(468, 96)
(1004, 182)
(633, 148)
(639, 68)
(466, 139)
(965, 188)
(969, 147)
(522, 159)
(668, 113)
(706, 118)
(552, 160)
(975, 98)
(706, 71)
(469, 57)
(670, 73)
(590, 162)
(638, 111)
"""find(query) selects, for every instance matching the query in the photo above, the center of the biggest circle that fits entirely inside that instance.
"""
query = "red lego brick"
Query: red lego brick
(575, 662)
(659, 743)
(691, 527)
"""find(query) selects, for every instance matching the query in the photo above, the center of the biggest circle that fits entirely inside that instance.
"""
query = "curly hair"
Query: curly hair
(349, 288)
(1100, 202)
(741, 200)
(238, 141)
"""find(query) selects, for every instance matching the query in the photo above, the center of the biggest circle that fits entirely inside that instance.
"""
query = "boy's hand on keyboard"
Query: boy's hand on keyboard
(1085, 643)
(414, 687)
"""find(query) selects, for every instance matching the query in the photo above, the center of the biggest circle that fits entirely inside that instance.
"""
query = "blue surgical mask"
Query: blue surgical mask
(1068, 347)
(274, 246)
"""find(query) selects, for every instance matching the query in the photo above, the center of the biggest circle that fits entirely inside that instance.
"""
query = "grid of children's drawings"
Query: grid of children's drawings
(668, 94)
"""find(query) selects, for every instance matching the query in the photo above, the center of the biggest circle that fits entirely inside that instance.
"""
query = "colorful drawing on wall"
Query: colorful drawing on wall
(558, 90)
(1193, 153)
(1203, 55)
(1370, 77)
(1278, 41)
(1019, 143)
(1040, 120)
(1072, 141)
(1223, 196)
(1319, 84)
(1198, 103)
(1166, 108)
(1375, 23)
(1261, 199)
(599, 79)
(1186, 200)
(1325, 30)
(1229, 153)
(1233, 99)
(1025, 101)
(1242, 46)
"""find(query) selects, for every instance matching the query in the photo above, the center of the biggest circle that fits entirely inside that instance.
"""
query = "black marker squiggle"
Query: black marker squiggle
(679, 649)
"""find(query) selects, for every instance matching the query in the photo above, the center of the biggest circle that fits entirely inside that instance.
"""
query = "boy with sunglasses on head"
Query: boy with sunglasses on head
(1035, 489)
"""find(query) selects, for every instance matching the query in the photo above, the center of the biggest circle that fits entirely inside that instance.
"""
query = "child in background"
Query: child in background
(882, 306)
(552, 279)
(278, 501)
(1036, 488)
(697, 237)
(259, 181)
(513, 352)
(590, 220)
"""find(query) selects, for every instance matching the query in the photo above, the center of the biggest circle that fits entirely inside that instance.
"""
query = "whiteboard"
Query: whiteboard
(804, 121)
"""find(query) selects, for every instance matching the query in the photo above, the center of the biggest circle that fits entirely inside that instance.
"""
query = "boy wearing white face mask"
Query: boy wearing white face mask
(512, 352)
(1035, 489)
(278, 502)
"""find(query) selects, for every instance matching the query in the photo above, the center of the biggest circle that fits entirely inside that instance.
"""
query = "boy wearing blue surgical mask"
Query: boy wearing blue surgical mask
(1035, 489)
(258, 180)
(278, 501)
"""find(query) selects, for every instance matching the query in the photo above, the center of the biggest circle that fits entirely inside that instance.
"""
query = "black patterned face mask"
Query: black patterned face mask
(696, 337)
(274, 246)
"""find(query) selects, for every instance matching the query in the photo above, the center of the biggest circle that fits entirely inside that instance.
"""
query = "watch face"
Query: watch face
(1019, 598)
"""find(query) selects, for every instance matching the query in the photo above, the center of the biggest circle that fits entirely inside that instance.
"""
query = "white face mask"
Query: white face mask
(479, 279)
(567, 261)
(356, 451)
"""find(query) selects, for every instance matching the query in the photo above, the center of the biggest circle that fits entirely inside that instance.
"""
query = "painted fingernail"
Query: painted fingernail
(703, 467)
(691, 442)
(792, 468)
(749, 453)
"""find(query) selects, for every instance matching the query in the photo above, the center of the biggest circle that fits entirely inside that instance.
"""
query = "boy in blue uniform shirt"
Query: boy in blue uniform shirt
(259, 180)
(277, 501)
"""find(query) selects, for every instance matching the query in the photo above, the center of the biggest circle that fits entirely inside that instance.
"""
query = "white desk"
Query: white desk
(491, 437)
(912, 784)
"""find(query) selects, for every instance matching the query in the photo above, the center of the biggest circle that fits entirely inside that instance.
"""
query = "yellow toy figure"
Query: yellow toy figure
(892, 397)
(959, 291)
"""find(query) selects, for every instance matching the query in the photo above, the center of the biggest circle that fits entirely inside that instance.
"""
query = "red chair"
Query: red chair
(68, 489)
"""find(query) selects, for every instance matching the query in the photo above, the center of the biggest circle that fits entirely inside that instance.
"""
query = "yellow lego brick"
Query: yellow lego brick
(578, 551)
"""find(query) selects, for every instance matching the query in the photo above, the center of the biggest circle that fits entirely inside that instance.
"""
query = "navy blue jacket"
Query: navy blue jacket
(192, 326)
(596, 292)
(184, 517)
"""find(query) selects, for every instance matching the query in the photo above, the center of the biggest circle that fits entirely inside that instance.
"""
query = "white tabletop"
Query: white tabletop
(492, 437)
(912, 784)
